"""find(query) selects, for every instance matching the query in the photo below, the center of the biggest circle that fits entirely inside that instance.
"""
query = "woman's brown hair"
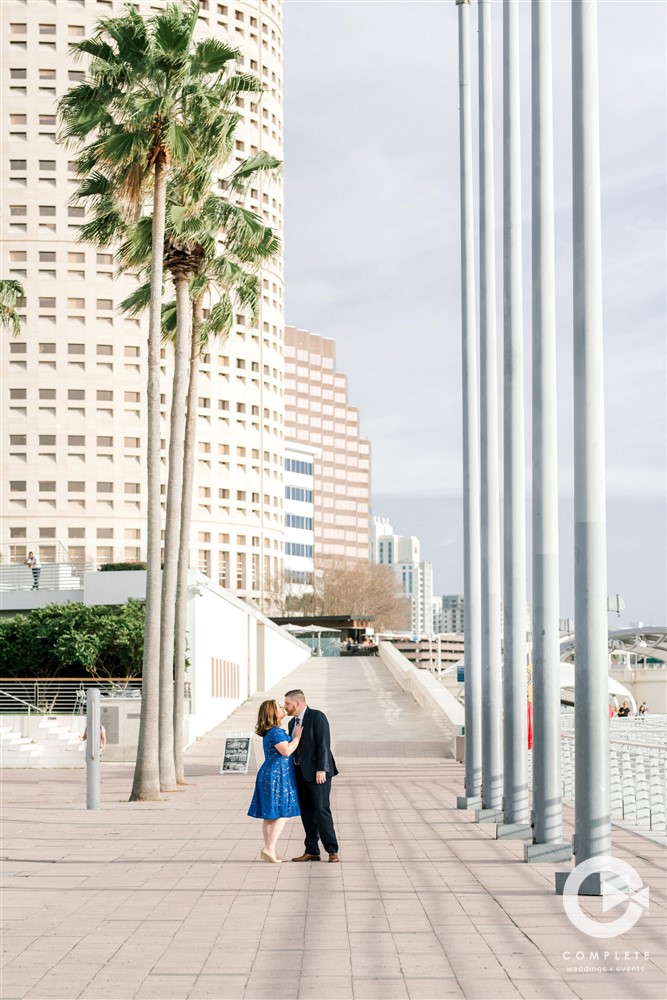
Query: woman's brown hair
(267, 717)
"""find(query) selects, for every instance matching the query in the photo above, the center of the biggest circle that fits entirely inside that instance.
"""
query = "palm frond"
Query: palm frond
(137, 301)
(212, 56)
(11, 298)
(245, 171)
(135, 250)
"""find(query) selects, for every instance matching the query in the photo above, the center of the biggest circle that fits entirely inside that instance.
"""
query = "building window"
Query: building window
(223, 569)
(297, 549)
(296, 521)
(297, 493)
(294, 465)
(240, 570)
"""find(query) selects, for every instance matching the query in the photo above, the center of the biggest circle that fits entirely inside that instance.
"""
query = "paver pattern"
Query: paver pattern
(170, 900)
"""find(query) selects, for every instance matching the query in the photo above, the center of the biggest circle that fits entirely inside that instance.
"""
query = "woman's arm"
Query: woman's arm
(286, 749)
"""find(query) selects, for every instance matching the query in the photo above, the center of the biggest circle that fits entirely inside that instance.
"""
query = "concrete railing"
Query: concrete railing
(425, 689)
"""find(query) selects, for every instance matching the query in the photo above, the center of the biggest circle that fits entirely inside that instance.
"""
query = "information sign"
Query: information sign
(236, 754)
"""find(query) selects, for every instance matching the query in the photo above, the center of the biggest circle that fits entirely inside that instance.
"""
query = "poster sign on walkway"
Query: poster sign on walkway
(237, 754)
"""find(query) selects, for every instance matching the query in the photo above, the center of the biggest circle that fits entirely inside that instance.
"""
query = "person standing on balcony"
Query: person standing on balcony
(32, 562)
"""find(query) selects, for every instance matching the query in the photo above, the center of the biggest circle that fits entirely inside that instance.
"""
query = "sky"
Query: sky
(372, 258)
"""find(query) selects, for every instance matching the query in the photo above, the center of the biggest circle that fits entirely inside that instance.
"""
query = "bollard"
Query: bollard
(93, 750)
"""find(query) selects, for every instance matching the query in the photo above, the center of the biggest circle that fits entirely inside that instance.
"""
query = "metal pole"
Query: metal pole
(492, 761)
(516, 813)
(547, 802)
(93, 750)
(471, 544)
(592, 793)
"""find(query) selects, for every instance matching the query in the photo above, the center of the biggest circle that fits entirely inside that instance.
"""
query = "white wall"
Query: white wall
(234, 652)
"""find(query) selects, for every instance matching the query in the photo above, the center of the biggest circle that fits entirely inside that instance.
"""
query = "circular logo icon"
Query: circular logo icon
(634, 895)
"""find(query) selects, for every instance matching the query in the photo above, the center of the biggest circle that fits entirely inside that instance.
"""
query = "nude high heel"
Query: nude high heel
(265, 856)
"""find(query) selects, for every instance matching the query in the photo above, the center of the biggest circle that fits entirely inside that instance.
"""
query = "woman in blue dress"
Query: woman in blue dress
(275, 797)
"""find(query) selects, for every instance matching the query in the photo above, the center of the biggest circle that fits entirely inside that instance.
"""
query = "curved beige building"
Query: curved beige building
(73, 397)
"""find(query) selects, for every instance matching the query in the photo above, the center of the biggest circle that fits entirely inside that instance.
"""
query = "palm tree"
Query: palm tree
(231, 282)
(196, 223)
(131, 120)
(11, 297)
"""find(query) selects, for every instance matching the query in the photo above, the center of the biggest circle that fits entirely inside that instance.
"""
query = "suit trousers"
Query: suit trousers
(316, 814)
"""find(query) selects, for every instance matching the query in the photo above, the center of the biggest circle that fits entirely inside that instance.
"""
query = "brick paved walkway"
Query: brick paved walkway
(169, 900)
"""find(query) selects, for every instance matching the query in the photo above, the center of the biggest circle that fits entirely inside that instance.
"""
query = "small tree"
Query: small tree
(362, 589)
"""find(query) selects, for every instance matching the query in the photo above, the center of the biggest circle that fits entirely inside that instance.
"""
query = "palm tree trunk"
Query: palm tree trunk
(172, 533)
(146, 785)
(184, 546)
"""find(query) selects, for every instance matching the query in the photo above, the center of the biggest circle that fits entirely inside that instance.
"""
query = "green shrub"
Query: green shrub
(71, 640)
(112, 567)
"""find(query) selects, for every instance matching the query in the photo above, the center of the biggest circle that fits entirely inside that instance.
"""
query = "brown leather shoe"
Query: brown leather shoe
(307, 857)
(333, 858)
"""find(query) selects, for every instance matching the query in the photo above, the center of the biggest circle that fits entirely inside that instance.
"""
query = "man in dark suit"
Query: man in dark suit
(315, 767)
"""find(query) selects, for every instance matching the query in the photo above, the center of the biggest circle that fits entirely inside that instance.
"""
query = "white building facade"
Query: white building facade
(73, 404)
(402, 554)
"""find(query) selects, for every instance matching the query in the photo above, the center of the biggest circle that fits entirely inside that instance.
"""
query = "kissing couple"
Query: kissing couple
(295, 778)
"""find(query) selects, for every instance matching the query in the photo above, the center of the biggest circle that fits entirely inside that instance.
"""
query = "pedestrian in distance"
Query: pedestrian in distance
(103, 737)
(32, 562)
(275, 798)
(315, 768)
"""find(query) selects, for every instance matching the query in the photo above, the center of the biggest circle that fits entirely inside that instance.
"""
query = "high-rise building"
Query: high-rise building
(317, 413)
(452, 615)
(73, 406)
(402, 554)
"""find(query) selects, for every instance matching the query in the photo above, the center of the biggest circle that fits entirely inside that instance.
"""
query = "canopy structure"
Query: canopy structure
(616, 690)
(643, 640)
(314, 629)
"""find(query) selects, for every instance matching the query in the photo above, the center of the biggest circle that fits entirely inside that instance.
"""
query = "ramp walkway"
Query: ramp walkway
(169, 900)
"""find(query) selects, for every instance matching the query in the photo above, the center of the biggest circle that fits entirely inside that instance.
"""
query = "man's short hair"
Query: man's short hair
(296, 695)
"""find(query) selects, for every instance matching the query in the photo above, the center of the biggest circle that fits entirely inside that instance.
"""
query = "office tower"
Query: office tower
(402, 554)
(453, 613)
(73, 408)
(317, 413)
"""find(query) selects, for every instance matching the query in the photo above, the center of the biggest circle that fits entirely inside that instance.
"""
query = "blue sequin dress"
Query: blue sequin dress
(275, 788)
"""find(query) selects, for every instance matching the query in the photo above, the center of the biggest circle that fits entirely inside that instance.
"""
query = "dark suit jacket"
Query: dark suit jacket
(314, 753)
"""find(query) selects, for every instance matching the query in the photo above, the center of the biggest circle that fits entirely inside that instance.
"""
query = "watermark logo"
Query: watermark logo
(635, 897)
